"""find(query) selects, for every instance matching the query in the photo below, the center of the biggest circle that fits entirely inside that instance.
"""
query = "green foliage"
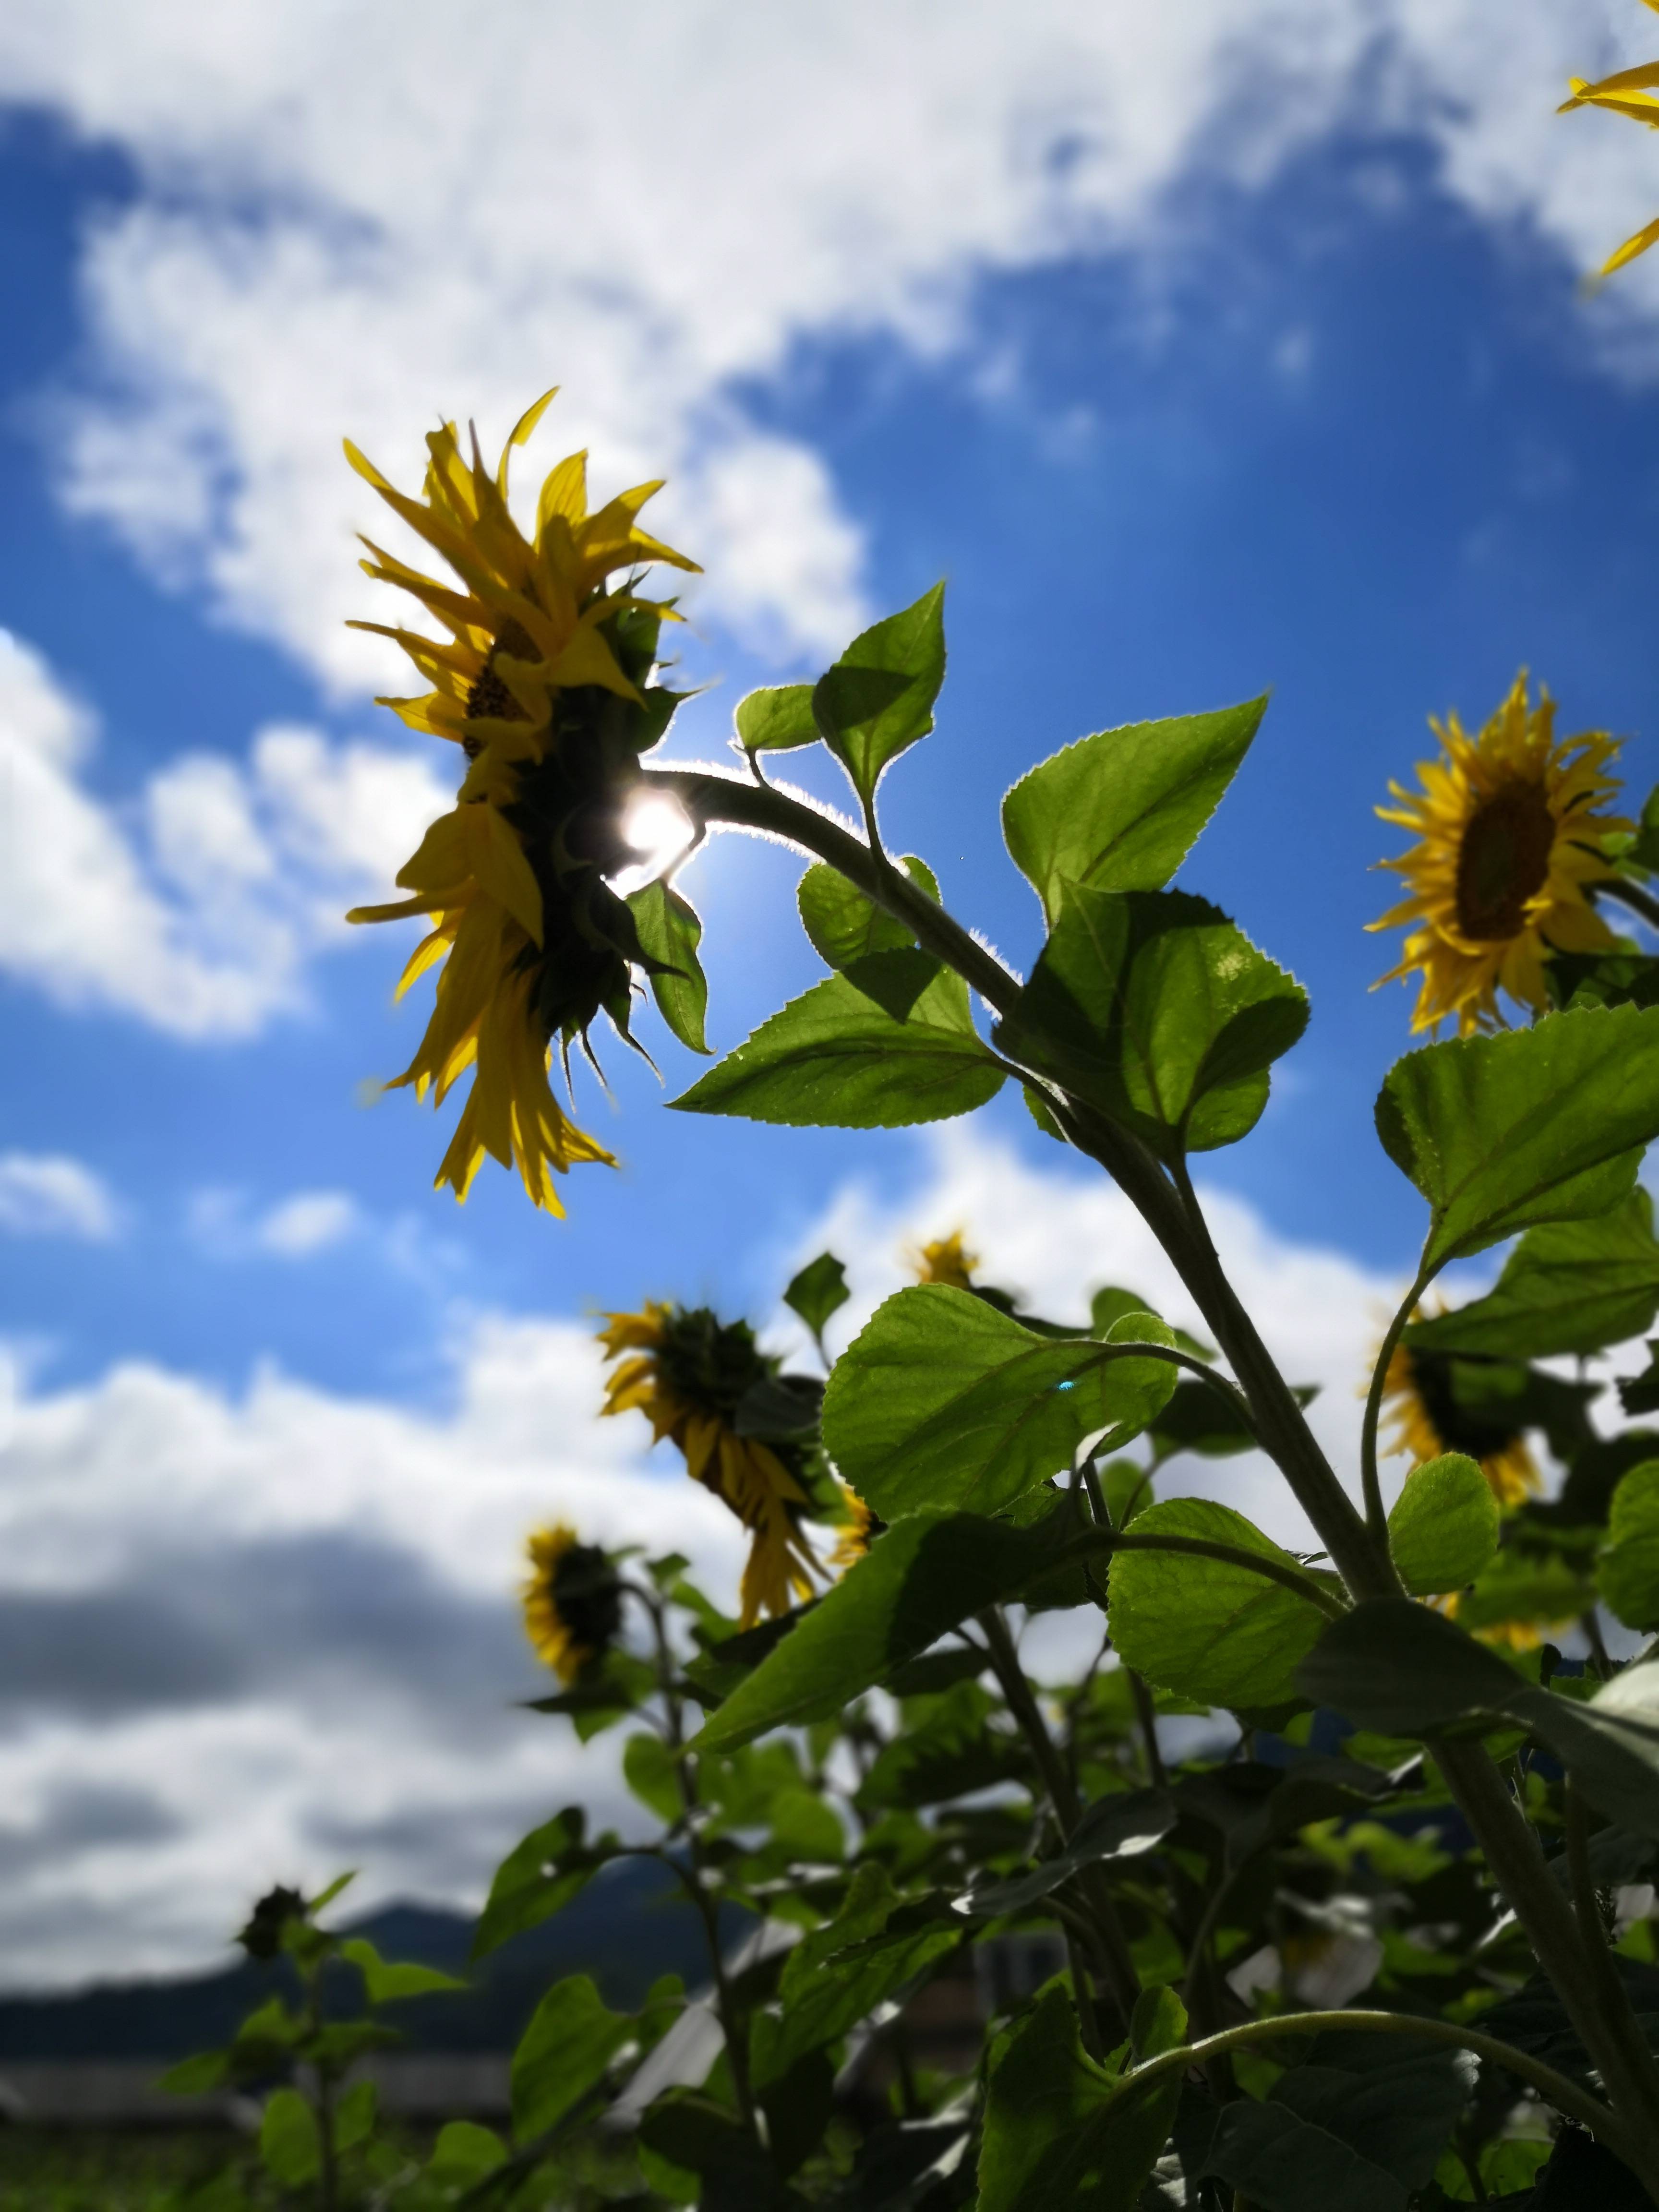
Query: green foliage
(1120, 811)
(1203, 1627)
(563, 2054)
(776, 719)
(818, 1291)
(844, 926)
(1502, 1132)
(1153, 1007)
(385, 1983)
(1444, 1528)
(670, 933)
(1571, 1287)
(889, 1044)
(878, 697)
(289, 2141)
(1629, 1567)
(537, 1879)
(941, 1400)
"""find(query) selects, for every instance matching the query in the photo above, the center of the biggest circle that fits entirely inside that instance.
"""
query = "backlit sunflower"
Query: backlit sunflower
(572, 1601)
(858, 1531)
(1509, 842)
(543, 680)
(707, 1386)
(946, 1260)
(1627, 92)
(1421, 1399)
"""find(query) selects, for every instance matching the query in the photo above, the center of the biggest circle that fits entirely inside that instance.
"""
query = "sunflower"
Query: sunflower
(859, 1531)
(1509, 842)
(690, 1374)
(1627, 92)
(544, 682)
(946, 1262)
(572, 1601)
(1420, 1393)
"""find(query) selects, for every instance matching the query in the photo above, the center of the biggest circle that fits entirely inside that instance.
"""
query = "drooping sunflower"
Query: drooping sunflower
(544, 681)
(1508, 845)
(947, 1261)
(1630, 92)
(691, 1375)
(1420, 1396)
(572, 1601)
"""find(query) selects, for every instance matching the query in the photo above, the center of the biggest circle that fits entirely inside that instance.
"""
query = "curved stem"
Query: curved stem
(1628, 894)
(1377, 1519)
(1566, 2096)
(1294, 1579)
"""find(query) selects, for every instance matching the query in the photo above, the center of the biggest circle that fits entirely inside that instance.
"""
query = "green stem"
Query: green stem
(1376, 1518)
(1627, 894)
(1118, 1965)
(1205, 1547)
(1566, 2096)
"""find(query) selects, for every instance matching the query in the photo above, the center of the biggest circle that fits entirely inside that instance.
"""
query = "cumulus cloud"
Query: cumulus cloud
(353, 217)
(49, 1194)
(311, 1221)
(237, 1628)
(198, 907)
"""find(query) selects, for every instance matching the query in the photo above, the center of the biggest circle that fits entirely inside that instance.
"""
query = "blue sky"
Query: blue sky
(1312, 401)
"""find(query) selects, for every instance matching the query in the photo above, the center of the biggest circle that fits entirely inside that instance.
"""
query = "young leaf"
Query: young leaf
(1201, 1627)
(537, 1879)
(1061, 2135)
(1361, 2124)
(925, 1575)
(941, 1400)
(818, 1291)
(649, 1770)
(564, 2051)
(1120, 1827)
(1444, 1528)
(777, 719)
(354, 2116)
(1570, 1286)
(670, 931)
(1154, 1006)
(840, 1058)
(288, 2142)
(878, 697)
(1120, 811)
(846, 927)
(843, 1986)
(385, 1981)
(1541, 1124)
(1628, 1570)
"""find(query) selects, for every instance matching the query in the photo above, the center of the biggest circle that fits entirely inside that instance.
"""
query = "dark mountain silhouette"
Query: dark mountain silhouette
(628, 1927)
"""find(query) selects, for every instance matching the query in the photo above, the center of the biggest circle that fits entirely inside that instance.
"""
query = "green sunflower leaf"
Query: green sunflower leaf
(941, 1400)
(843, 925)
(1121, 811)
(1062, 2134)
(818, 1291)
(1401, 1669)
(288, 2142)
(1628, 1571)
(669, 933)
(1544, 1124)
(776, 719)
(563, 2053)
(917, 1581)
(1201, 1627)
(878, 697)
(1569, 1286)
(1156, 1008)
(844, 1972)
(1443, 1527)
(891, 1043)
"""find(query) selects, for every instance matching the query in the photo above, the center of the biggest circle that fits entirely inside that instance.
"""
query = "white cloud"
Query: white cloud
(197, 908)
(49, 1194)
(354, 216)
(309, 1222)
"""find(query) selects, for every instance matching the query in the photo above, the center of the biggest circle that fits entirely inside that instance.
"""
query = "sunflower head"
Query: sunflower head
(747, 1432)
(860, 1527)
(1429, 1417)
(1509, 846)
(1633, 92)
(572, 1601)
(543, 679)
(947, 1261)
(266, 1931)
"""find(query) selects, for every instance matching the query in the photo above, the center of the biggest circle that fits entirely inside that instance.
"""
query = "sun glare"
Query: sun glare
(659, 829)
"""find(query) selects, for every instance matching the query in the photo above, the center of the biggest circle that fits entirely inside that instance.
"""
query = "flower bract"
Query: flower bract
(543, 679)
(747, 1433)
(1509, 844)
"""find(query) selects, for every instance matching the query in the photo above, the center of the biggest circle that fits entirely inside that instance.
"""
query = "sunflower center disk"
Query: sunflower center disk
(1503, 861)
